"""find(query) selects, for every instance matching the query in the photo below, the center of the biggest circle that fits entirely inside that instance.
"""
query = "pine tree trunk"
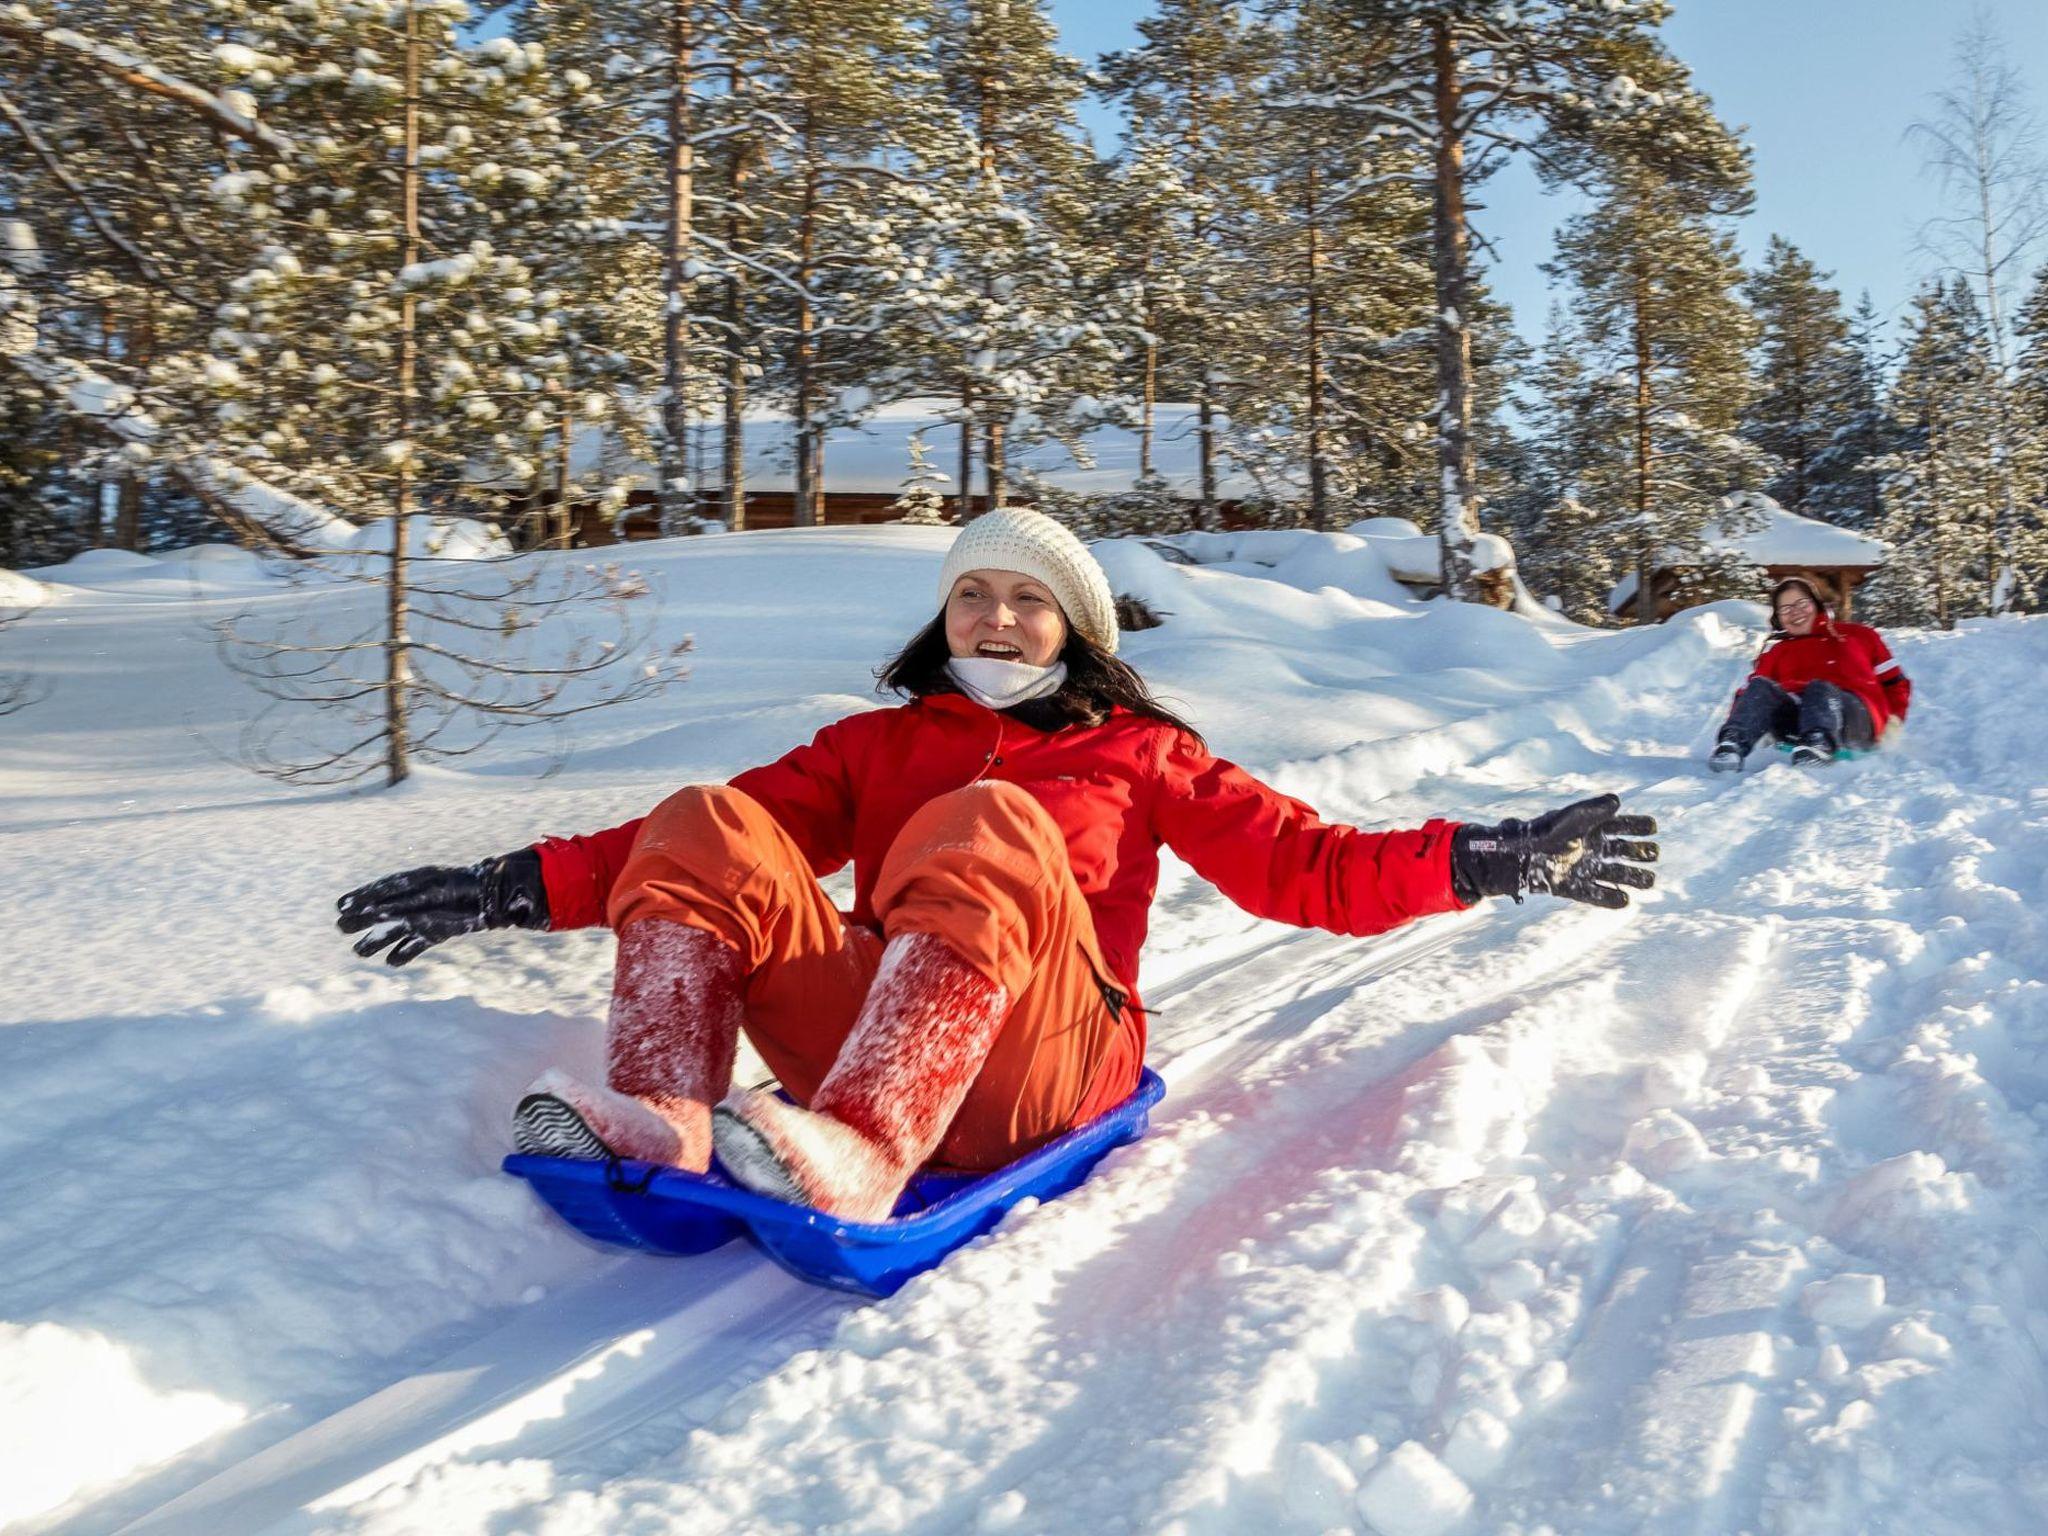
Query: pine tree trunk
(397, 649)
(732, 477)
(1318, 465)
(965, 498)
(128, 513)
(733, 441)
(1150, 393)
(1942, 614)
(994, 469)
(1646, 600)
(987, 94)
(676, 493)
(1457, 472)
(806, 511)
(1204, 516)
(564, 519)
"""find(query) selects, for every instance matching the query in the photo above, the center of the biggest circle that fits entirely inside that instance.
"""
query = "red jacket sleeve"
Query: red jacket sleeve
(1898, 688)
(1276, 858)
(808, 792)
(579, 873)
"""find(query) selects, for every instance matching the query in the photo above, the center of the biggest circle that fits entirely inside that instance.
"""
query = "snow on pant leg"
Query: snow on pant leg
(1761, 709)
(985, 869)
(711, 858)
(1845, 718)
(671, 1033)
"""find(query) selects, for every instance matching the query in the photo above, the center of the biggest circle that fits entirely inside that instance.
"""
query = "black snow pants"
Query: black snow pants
(1765, 709)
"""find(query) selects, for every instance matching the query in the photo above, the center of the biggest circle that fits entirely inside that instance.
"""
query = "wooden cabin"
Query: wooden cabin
(1753, 531)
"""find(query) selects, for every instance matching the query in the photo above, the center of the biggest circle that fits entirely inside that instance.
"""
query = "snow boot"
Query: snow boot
(562, 1117)
(900, 1078)
(670, 1041)
(1814, 750)
(1727, 757)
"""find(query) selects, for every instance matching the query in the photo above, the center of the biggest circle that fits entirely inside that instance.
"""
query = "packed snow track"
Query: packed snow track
(1718, 1214)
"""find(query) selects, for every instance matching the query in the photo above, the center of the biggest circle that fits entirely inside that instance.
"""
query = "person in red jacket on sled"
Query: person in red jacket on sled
(1821, 683)
(1004, 826)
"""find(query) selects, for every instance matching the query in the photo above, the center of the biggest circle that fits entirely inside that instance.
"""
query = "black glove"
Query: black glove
(415, 910)
(1566, 852)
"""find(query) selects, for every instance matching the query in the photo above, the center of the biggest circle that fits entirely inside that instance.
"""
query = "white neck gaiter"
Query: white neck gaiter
(1002, 684)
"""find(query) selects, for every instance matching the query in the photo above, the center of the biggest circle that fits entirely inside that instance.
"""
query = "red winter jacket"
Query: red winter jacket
(1118, 791)
(1851, 656)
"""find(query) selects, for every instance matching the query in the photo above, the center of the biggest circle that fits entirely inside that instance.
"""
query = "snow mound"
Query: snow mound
(18, 591)
(432, 537)
(75, 1411)
(1718, 1213)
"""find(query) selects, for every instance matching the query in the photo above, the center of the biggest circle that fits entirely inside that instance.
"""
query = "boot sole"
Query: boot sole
(545, 1126)
(749, 1160)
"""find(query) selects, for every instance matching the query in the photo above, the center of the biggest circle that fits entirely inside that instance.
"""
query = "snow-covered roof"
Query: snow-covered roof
(1778, 537)
(873, 458)
(1755, 530)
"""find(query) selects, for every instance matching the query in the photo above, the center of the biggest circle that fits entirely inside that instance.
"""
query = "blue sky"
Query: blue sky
(1825, 88)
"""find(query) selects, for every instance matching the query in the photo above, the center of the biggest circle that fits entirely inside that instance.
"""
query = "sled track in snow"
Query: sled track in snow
(1775, 1040)
(590, 1366)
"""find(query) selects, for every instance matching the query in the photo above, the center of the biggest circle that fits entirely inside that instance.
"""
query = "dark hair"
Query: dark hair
(1824, 607)
(1096, 681)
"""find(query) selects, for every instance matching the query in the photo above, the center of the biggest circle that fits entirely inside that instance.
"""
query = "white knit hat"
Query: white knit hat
(1034, 545)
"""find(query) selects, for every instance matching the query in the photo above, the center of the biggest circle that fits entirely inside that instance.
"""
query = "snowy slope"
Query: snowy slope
(1720, 1214)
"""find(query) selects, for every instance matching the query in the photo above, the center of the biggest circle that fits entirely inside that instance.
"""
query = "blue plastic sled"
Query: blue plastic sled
(659, 1209)
(1842, 754)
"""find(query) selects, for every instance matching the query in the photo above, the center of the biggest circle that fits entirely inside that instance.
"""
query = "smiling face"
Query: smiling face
(1005, 616)
(1795, 612)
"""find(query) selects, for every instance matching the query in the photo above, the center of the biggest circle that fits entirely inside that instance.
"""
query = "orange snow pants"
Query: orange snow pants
(984, 868)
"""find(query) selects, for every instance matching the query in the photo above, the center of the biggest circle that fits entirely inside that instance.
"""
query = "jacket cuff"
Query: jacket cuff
(1427, 886)
(576, 898)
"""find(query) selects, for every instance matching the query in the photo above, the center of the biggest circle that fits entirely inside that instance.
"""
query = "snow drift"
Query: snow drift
(1717, 1214)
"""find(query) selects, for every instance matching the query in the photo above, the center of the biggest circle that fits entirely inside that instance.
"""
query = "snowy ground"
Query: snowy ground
(1721, 1214)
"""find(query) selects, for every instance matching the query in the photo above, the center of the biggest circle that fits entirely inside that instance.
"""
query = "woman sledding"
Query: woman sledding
(1822, 684)
(1004, 827)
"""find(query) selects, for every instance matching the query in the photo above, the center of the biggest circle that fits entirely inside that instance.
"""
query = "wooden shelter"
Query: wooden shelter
(1753, 531)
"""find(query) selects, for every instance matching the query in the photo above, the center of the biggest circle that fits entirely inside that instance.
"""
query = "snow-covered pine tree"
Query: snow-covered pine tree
(735, 154)
(113, 120)
(1141, 216)
(1564, 547)
(1038, 326)
(1848, 487)
(1188, 89)
(854, 195)
(389, 342)
(1655, 295)
(1982, 144)
(2030, 440)
(1574, 83)
(1944, 487)
(1344, 380)
(922, 502)
(1808, 374)
(597, 242)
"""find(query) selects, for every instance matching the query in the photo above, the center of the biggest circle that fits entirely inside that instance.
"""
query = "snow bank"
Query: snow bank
(201, 570)
(75, 1412)
(434, 538)
(1718, 1213)
(18, 591)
